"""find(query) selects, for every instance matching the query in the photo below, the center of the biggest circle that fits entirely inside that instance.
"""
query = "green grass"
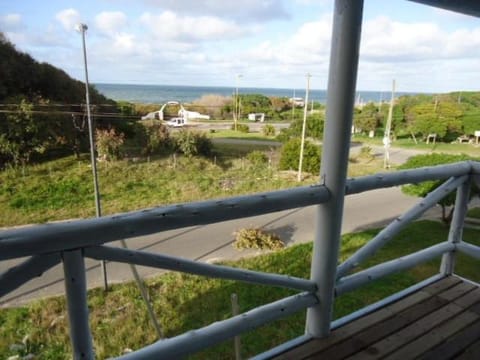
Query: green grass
(474, 213)
(232, 134)
(63, 188)
(408, 143)
(184, 302)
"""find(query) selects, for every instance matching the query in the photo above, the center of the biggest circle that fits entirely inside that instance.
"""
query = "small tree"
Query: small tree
(192, 143)
(290, 156)
(424, 188)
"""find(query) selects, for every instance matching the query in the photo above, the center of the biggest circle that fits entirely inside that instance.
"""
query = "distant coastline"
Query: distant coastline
(158, 94)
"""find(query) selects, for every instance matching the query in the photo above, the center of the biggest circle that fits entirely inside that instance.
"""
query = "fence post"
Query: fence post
(236, 339)
(347, 23)
(76, 291)
(455, 233)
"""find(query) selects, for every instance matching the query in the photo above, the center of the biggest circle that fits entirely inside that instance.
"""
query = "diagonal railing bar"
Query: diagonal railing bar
(187, 343)
(178, 264)
(377, 181)
(398, 224)
(352, 282)
(47, 238)
(455, 233)
(469, 249)
(31, 268)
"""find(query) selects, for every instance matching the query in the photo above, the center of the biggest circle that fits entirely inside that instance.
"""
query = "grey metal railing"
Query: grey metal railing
(47, 245)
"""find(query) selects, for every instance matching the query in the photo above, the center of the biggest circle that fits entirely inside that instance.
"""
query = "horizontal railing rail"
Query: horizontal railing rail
(69, 242)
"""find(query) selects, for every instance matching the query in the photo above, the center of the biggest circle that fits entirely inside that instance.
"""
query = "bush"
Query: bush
(257, 158)
(192, 143)
(109, 143)
(290, 156)
(424, 188)
(268, 130)
(251, 238)
(241, 127)
(153, 138)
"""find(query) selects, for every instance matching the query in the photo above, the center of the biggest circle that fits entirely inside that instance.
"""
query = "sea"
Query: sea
(159, 94)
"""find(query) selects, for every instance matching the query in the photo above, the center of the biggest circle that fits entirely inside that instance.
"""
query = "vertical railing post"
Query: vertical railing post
(76, 290)
(455, 234)
(347, 23)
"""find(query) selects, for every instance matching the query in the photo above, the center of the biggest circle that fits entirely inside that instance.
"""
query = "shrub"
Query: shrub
(422, 189)
(251, 238)
(290, 156)
(153, 138)
(241, 127)
(366, 152)
(268, 130)
(192, 143)
(109, 143)
(257, 158)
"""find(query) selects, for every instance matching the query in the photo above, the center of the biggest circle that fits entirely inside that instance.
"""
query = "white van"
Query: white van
(177, 122)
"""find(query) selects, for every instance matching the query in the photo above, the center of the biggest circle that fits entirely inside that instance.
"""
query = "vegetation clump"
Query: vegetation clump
(257, 158)
(290, 156)
(268, 130)
(109, 144)
(243, 128)
(255, 238)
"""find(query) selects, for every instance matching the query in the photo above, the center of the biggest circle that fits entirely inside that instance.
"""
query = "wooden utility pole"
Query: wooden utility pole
(302, 144)
(388, 127)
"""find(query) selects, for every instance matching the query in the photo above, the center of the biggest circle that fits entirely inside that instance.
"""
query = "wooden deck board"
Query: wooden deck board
(440, 321)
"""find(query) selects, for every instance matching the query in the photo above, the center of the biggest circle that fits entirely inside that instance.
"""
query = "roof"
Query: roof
(468, 7)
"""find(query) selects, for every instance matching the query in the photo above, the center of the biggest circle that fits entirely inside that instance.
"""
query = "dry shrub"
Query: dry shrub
(254, 238)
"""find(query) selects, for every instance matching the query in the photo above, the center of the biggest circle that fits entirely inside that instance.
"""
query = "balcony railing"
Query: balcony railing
(47, 245)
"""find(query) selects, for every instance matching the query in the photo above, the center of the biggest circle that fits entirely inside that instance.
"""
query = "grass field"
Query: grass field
(62, 189)
(183, 302)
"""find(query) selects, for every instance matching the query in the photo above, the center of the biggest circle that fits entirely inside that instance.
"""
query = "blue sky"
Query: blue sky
(272, 43)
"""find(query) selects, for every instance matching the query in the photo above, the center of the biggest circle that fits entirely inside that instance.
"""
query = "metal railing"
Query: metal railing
(48, 245)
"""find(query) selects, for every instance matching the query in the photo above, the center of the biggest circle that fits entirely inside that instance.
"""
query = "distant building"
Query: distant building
(297, 101)
(256, 117)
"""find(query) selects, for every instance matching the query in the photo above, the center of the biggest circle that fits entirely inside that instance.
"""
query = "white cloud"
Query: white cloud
(69, 18)
(386, 40)
(111, 22)
(247, 10)
(171, 27)
(11, 22)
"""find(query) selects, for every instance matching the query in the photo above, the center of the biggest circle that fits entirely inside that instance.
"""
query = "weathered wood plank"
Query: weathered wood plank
(455, 345)
(420, 327)
(472, 352)
(383, 329)
(348, 330)
(434, 338)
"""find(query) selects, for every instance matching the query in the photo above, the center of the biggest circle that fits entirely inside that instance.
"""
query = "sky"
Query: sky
(270, 43)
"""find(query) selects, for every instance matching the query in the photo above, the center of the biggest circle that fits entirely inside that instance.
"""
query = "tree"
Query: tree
(367, 118)
(314, 128)
(290, 156)
(21, 136)
(424, 188)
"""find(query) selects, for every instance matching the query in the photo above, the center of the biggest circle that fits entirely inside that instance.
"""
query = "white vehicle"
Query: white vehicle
(177, 122)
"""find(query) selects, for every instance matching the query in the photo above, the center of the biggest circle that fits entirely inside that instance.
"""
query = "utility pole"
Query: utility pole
(82, 28)
(300, 161)
(236, 114)
(386, 136)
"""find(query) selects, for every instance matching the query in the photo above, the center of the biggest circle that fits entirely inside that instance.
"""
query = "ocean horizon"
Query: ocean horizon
(159, 94)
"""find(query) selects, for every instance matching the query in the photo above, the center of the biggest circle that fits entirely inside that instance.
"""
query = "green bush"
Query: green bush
(241, 127)
(251, 238)
(192, 143)
(290, 156)
(424, 188)
(153, 138)
(268, 130)
(257, 158)
(109, 144)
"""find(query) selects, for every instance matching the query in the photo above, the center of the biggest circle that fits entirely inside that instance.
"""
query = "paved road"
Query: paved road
(213, 242)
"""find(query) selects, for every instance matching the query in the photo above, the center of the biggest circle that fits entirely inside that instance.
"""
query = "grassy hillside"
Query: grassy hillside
(184, 302)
